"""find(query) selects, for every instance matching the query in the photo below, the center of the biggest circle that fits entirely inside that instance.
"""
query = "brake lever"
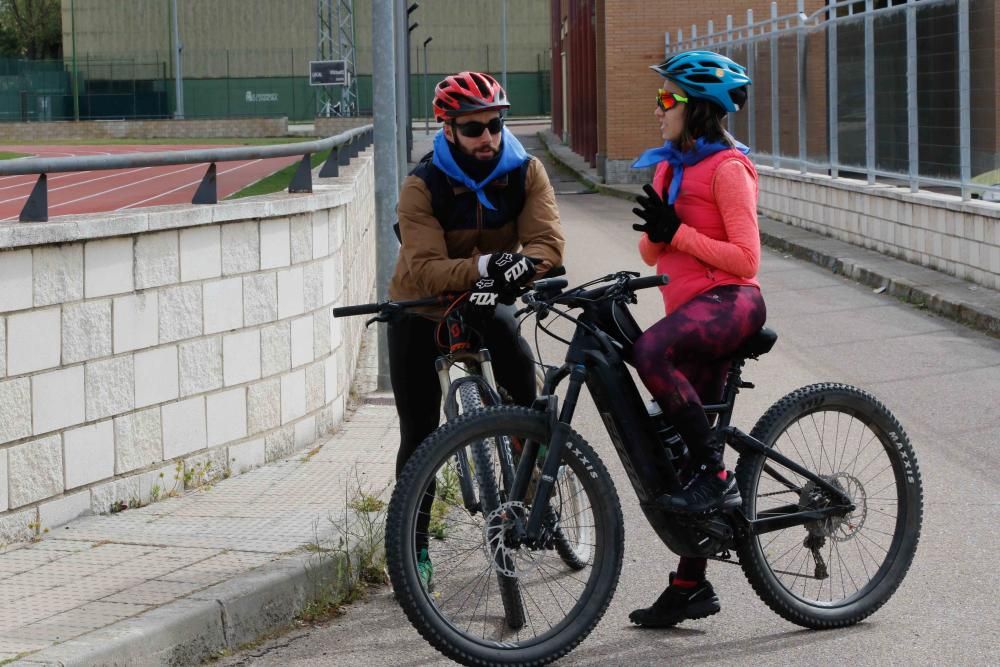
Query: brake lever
(385, 315)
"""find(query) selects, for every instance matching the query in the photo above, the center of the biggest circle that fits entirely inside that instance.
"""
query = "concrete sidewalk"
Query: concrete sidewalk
(938, 292)
(185, 578)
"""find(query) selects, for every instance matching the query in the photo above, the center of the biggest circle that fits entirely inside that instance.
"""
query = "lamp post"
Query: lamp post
(178, 77)
(385, 111)
(427, 109)
(503, 44)
(76, 89)
(406, 63)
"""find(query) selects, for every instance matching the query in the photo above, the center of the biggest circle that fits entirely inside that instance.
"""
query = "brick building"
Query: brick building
(603, 91)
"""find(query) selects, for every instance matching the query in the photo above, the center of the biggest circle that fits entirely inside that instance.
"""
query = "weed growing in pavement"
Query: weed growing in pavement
(353, 558)
(444, 499)
(37, 530)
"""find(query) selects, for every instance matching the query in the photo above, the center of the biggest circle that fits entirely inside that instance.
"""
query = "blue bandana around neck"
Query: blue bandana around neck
(512, 156)
(679, 159)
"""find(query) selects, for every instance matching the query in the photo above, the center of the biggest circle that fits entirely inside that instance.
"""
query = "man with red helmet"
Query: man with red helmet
(476, 213)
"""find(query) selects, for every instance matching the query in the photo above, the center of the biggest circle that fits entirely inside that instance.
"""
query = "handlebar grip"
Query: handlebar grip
(648, 281)
(546, 284)
(555, 272)
(363, 309)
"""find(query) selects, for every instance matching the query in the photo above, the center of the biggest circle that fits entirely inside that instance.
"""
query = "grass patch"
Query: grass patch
(353, 559)
(279, 180)
(7, 155)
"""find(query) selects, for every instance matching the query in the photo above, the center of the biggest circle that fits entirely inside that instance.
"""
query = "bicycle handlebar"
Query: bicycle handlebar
(648, 281)
(363, 309)
(441, 300)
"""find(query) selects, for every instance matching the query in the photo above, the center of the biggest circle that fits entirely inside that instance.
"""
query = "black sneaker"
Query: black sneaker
(678, 604)
(703, 493)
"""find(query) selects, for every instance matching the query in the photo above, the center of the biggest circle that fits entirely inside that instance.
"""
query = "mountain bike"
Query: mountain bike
(831, 492)
(478, 474)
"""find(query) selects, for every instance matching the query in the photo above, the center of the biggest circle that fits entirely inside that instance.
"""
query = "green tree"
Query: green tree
(31, 28)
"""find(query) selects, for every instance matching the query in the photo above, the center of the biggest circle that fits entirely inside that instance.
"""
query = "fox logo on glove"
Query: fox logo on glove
(483, 298)
(488, 294)
(514, 273)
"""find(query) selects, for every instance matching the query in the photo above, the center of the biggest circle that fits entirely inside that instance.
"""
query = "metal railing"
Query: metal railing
(914, 124)
(342, 148)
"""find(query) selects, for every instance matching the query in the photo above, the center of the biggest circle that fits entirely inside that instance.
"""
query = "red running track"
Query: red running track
(99, 191)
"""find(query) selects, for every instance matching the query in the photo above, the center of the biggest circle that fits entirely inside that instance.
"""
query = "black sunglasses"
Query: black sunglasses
(474, 128)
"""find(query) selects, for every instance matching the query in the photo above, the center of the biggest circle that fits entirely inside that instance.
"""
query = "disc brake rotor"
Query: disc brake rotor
(508, 557)
(839, 528)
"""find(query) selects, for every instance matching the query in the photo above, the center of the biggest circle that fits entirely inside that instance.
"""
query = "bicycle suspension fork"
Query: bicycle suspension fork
(558, 437)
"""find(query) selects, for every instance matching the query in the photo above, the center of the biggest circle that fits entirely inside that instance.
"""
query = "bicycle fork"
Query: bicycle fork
(531, 534)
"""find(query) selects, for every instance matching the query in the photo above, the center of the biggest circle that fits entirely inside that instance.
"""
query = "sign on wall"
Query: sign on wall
(328, 73)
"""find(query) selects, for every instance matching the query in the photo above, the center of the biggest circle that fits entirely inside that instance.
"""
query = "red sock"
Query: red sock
(683, 583)
(722, 474)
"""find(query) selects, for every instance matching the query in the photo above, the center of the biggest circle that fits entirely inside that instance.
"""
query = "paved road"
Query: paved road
(941, 380)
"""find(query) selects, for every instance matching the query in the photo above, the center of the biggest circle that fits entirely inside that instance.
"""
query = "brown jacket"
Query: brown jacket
(433, 260)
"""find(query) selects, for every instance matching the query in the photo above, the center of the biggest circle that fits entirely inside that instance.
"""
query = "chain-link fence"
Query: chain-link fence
(233, 83)
(896, 91)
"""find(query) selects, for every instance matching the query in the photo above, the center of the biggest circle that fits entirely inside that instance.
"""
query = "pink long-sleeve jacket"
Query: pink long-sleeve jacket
(718, 242)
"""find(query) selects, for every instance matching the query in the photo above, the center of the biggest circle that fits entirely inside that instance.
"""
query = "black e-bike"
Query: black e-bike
(829, 524)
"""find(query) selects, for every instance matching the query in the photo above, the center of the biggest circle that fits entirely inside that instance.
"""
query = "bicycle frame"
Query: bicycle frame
(594, 359)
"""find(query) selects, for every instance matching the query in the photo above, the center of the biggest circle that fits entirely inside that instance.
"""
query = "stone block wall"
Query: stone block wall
(143, 129)
(934, 230)
(144, 352)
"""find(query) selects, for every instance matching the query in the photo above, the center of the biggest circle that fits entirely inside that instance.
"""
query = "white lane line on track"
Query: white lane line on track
(73, 185)
(186, 185)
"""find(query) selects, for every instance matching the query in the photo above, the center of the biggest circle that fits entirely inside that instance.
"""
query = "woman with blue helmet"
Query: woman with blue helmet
(700, 228)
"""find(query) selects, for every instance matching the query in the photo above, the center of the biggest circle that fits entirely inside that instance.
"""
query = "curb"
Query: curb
(970, 314)
(223, 617)
(984, 317)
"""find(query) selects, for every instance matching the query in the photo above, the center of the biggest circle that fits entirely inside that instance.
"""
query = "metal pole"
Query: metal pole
(386, 137)
(399, 41)
(870, 91)
(178, 77)
(428, 110)
(751, 96)
(76, 89)
(832, 96)
(913, 138)
(503, 44)
(775, 122)
(964, 111)
(800, 45)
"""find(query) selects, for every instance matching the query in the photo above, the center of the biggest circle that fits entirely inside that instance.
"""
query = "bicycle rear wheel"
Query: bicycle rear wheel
(837, 570)
(463, 616)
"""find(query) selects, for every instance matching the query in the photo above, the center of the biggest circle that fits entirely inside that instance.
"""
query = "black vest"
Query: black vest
(462, 210)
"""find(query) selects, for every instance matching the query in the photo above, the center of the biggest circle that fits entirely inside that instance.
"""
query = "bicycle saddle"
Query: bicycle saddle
(759, 344)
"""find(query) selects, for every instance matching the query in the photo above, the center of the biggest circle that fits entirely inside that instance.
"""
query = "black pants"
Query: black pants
(412, 351)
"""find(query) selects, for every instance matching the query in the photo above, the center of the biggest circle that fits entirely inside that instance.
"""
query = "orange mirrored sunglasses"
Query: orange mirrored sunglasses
(667, 100)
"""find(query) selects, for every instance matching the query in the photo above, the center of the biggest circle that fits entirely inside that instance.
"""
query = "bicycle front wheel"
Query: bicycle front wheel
(462, 615)
(839, 569)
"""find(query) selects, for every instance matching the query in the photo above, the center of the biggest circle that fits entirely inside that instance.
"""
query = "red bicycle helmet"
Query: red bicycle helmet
(468, 92)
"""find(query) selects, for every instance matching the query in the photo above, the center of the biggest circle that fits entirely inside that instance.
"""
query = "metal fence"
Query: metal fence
(894, 91)
(342, 147)
(232, 83)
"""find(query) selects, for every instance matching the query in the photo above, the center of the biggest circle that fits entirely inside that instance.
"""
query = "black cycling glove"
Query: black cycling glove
(485, 295)
(661, 218)
(510, 268)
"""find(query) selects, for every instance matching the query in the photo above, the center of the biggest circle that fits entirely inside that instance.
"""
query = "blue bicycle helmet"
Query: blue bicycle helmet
(708, 76)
